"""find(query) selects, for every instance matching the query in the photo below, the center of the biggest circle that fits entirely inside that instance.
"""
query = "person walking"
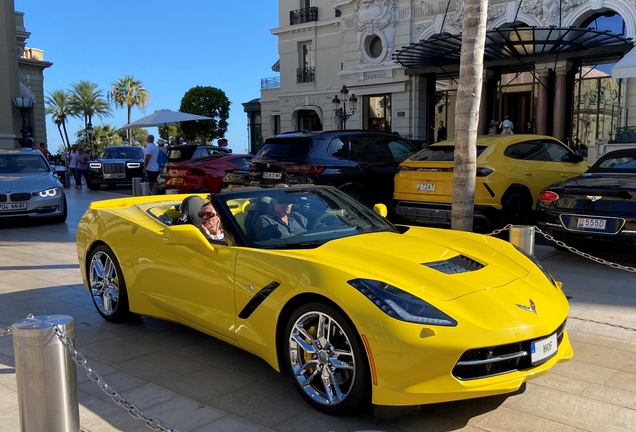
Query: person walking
(441, 132)
(81, 168)
(71, 161)
(506, 123)
(151, 163)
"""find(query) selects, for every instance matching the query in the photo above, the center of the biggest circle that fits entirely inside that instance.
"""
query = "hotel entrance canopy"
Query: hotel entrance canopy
(515, 47)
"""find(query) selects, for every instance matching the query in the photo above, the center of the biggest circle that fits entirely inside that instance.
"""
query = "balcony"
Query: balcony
(305, 75)
(270, 83)
(303, 15)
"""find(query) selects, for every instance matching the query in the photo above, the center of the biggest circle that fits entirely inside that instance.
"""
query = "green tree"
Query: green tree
(170, 131)
(129, 92)
(210, 102)
(467, 113)
(59, 107)
(137, 136)
(87, 101)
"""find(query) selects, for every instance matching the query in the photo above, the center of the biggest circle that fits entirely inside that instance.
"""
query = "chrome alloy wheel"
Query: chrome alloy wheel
(104, 283)
(322, 359)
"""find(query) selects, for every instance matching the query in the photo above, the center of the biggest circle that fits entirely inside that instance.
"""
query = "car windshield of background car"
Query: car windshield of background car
(285, 148)
(330, 214)
(401, 150)
(23, 164)
(440, 153)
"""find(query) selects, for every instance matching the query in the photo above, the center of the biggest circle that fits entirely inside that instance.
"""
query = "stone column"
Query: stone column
(558, 114)
(484, 122)
(543, 73)
(10, 119)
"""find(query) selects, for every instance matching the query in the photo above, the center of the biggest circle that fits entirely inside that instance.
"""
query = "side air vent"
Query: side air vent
(458, 264)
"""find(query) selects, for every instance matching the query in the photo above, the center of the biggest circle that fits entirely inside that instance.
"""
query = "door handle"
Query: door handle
(528, 173)
(564, 175)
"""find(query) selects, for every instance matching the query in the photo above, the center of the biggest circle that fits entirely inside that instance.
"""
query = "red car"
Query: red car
(203, 174)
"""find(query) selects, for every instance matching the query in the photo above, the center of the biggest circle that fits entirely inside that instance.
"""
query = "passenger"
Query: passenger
(211, 223)
(280, 221)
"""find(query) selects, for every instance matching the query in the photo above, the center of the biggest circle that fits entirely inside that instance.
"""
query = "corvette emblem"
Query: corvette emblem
(532, 308)
(594, 198)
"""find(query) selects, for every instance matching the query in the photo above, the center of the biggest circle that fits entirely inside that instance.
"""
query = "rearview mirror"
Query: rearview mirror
(380, 209)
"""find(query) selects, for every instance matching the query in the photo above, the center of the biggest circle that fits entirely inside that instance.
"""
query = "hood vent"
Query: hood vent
(458, 264)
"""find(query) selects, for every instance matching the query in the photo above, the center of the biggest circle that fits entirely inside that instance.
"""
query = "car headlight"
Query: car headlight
(95, 165)
(401, 305)
(50, 192)
(133, 164)
(538, 264)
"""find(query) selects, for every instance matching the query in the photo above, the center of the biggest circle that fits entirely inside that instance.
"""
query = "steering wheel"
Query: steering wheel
(326, 220)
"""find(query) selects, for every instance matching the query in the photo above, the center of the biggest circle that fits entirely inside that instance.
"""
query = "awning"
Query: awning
(515, 44)
(626, 67)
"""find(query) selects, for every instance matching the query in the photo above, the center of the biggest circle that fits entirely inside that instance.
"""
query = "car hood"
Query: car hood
(590, 182)
(27, 182)
(418, 261)
(117, 160)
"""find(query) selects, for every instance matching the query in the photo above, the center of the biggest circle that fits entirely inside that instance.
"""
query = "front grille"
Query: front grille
(114, 168)
(457, 264)
(20, 197)
(3, 198)
(496, 360)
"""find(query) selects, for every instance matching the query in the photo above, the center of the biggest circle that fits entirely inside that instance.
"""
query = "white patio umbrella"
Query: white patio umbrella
(164, 117)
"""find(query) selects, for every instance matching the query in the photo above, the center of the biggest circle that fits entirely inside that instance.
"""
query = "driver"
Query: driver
(280, 221)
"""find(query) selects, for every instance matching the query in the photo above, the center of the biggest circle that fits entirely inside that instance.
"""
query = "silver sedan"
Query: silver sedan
(29, 187)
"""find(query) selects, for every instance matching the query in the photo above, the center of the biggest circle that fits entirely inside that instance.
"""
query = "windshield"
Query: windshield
(619, 163)
(16, 163)
(296, 217)
(284, 148)
(122, 153)
(440, 153)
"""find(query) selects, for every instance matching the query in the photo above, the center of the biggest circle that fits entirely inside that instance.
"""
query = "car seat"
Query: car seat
(190, 208)
(260, 208)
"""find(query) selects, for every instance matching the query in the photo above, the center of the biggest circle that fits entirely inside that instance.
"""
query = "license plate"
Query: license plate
(271, 175)
(13, 206)
(114, 176)
(543, 349)
(429, 187)
(175, 181)
(591, 223)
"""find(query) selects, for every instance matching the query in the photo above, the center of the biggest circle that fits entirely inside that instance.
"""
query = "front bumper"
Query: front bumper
(36, 207)
(414, 212)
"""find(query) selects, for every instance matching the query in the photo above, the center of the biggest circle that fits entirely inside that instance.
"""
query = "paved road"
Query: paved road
(195, 383)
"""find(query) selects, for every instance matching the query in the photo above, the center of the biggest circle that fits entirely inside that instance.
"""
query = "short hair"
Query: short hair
(42, 145)
(222, 140)
(151, 138)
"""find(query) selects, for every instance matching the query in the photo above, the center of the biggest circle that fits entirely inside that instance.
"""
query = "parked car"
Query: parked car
(203, 174)
(30, 187)
(360, 162)
(596, 208)
(511, 172)
(115, 165)
(356, 310)
(182, 153)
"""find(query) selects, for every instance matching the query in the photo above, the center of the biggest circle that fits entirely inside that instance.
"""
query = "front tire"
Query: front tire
(516, 210)
(63, 216)
(107, 285)
(327, 360)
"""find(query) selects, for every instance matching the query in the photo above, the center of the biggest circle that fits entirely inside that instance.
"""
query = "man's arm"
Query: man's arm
(146, 161)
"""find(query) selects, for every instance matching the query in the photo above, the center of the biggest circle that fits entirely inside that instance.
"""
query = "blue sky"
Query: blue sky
(170, 46)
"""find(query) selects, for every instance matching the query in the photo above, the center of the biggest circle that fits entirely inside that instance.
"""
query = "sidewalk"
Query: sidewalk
(192, 382)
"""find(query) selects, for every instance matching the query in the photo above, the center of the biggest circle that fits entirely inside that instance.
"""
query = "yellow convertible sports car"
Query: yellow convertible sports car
(356, 309)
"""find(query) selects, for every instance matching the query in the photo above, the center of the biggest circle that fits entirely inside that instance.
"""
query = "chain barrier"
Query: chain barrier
(94, 376)
(571, 249)
(6, 332)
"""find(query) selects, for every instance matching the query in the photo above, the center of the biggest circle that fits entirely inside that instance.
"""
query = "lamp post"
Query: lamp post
(24, 105)
(89, 132)
(341, 112)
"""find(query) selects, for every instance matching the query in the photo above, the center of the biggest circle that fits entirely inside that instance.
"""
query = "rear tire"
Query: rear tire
(516, 210)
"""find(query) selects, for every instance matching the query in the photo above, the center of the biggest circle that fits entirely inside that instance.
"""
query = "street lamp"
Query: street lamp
(24, 105)
(89, 132)
(342, 112)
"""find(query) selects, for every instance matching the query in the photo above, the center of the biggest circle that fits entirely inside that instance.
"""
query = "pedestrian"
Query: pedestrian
(222, 142)
(441, 132)
(493, 127)
(176, 141)
(81, 169)
(151, 163)
(71, 160)
(162, 145)
(506, 123)
(45, 152)
(529, 127)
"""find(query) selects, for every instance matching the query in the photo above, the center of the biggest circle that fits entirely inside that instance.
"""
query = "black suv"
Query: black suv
(360, 162)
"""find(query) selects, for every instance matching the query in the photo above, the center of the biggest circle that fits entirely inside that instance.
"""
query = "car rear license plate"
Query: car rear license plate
(175, 181)
(543, 349)
(591, 223)
(429, 187)
(114, 176)
(272, 175)
(13, 206)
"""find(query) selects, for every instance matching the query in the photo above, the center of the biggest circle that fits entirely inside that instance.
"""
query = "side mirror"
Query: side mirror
(578, 156)
(59, 168)
(380, 209)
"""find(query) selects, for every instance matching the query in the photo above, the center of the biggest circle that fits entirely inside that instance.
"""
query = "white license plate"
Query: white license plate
(543, 349)
(591, 223)
(114, 176)
(271, 175)
(13, 206)
(429, 187)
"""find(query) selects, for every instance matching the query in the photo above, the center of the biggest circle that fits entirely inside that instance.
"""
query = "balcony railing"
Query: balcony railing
(305, 75)
(270, 83)
(303, 15)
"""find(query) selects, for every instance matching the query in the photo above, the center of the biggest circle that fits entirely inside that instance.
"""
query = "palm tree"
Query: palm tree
(129, 92)
(467, 113)
(58, 105)
(87, 101)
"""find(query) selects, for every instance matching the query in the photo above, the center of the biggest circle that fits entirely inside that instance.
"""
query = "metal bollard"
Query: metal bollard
(139, 187)
(46, 375)
(522, 236)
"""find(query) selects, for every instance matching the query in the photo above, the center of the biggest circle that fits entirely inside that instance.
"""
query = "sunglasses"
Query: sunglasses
(207, 214)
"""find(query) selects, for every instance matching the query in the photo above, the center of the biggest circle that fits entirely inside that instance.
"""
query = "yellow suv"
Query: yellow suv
(511, 172)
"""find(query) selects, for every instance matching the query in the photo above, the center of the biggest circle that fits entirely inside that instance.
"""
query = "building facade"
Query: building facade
(21, 75)
(546, 66)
